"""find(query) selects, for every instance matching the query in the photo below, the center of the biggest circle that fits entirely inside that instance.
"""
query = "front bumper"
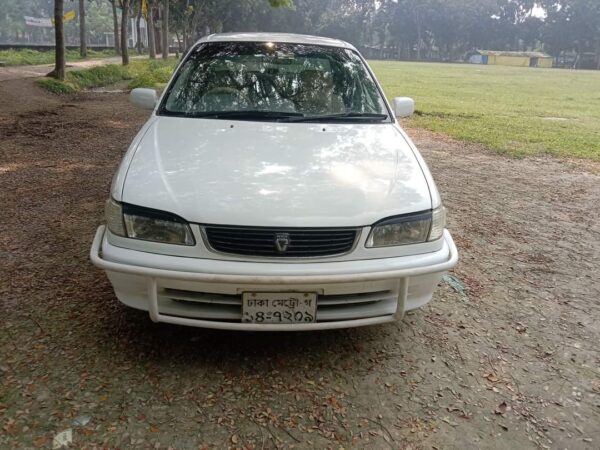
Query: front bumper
(207, 293)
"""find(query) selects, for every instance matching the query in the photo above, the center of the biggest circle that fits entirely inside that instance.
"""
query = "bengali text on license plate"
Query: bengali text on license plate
(279, 307)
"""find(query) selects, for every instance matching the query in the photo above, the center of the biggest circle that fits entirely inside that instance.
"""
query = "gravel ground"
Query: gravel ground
(511, 362)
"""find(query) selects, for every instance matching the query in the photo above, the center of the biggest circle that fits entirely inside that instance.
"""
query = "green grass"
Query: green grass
(55, 86)
(512, 110)
(27, 57)
(151, 73)
(141, 73)
(97, 76)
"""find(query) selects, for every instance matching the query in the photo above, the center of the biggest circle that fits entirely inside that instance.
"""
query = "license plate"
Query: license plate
(279, 307)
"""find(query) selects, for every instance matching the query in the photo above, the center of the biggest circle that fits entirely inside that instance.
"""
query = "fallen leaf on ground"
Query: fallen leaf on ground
(449, 422)
(502, 408)
(41, 441)
(490, 376)
(81, 421)
(62, 439)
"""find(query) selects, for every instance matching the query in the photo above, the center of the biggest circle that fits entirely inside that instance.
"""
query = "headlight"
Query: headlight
(114, 217)
(438, 223)
(147, 224)
(408, 229)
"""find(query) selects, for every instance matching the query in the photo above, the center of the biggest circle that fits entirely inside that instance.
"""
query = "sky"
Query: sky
(538, 11)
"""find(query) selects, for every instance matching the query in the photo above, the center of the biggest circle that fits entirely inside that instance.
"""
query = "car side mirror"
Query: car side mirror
(404, 106)
(143, 98)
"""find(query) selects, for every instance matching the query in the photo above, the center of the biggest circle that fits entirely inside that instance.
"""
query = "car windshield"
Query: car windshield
(274, 81)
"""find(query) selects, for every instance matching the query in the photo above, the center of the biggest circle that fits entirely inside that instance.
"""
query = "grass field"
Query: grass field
(512, 110)
(27, 57)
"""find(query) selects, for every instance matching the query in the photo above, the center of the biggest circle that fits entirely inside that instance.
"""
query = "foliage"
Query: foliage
(98, 20)
(97, 76)
(23, 57)
(14, 30)
(55, 86)
(405, 29)
(572, 24)
(151, 74)
(11, 17)
(192, 19)
(512, 110)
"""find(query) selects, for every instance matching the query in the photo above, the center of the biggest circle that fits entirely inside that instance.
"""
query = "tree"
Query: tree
(193, 18)
(59, 44)
(150, 29)
(573, 25)
(165, 29)
(82, 32)
(138, 44)
(124, 31)
(403, 29)
(116, 27)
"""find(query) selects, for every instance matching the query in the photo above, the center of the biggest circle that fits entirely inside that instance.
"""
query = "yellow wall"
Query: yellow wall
(521, 61)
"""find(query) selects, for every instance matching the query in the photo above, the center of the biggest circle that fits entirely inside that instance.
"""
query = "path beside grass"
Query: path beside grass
(18, 72)
(30, 57)
(512, 110)
(139, 73)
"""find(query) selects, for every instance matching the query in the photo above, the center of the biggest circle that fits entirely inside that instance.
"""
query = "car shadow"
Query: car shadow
(139, 338)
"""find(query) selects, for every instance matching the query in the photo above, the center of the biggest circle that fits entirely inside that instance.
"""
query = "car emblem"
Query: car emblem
(282, 241)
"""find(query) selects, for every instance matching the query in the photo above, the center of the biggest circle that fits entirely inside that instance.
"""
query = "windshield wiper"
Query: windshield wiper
(248, 114)
(279, 115)
(342, 116)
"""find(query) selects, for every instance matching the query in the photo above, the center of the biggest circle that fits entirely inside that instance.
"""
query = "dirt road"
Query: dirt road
(512, 363)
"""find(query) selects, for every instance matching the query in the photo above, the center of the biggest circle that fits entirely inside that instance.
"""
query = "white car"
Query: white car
(273, 189)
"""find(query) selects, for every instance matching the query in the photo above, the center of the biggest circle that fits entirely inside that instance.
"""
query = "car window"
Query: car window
(306, 80)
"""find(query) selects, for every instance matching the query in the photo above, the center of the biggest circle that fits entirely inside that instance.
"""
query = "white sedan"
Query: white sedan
(273, 189)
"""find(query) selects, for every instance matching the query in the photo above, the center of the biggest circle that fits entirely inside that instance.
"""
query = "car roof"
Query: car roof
(276, 37)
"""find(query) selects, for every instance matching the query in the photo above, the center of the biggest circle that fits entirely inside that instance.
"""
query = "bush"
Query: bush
(25, 57)
(55, 86)
(98, 76)
(151, 74)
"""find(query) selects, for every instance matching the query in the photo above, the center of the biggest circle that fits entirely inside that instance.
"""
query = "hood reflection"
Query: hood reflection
(274, 174)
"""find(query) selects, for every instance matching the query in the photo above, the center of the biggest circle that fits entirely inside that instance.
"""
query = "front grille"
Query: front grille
(281, 242)
(228, 307)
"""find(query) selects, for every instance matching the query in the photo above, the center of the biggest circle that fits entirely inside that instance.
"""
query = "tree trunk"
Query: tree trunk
(116, 28)
(59, 34)
(418, 21)
(165, 30)
(158, 37)
(124, 34)
(82, 33)
(179, 43)
(150, 30)
(138, 44)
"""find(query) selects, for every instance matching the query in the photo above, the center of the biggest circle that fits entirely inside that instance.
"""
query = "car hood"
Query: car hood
(275, 174)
